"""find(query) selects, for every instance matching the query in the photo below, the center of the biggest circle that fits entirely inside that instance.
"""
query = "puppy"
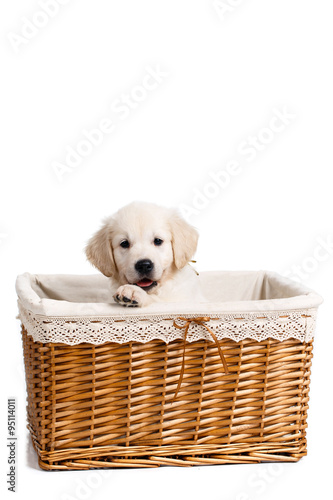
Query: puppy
(144, 249)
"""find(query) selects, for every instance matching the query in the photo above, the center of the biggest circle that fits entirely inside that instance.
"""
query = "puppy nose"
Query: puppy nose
(144, 266)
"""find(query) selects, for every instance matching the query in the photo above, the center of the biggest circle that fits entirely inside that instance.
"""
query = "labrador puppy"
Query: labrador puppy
(145, 249)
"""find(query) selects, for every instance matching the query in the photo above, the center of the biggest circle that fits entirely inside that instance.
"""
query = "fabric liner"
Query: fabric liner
(225, 291)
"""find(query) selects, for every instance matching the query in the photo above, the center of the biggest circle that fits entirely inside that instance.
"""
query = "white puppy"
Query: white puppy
(145, 249)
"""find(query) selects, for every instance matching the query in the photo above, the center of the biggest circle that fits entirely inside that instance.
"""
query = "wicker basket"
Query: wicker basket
(200, 389)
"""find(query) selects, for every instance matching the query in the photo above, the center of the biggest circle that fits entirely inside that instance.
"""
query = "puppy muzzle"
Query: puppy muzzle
(145, 268)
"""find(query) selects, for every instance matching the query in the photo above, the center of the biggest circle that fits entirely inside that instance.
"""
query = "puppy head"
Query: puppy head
(142, 244)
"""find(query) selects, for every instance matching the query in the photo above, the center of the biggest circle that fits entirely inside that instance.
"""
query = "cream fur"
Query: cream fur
(140, 223)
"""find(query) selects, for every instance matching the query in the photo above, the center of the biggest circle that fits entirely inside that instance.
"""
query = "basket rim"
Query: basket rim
(278, 325)
(32, 290)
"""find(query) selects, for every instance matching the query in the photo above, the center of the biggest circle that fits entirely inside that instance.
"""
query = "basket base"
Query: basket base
(177, 456)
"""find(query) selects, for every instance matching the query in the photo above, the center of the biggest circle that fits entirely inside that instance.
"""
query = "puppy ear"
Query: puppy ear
(184, 240)
(99, 250)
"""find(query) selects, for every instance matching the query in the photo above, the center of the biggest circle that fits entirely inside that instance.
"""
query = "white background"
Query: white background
(226, 74)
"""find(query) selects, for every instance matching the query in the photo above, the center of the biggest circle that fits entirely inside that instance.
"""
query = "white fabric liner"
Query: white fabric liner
(241, 304)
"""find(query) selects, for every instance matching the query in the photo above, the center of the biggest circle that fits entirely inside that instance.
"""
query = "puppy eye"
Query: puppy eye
(158, 242)
(125, 244)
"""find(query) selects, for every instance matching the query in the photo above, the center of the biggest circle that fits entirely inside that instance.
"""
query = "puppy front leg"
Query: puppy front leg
(132, 296)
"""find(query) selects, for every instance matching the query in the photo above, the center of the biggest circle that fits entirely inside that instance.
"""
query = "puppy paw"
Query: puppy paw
(131, 296)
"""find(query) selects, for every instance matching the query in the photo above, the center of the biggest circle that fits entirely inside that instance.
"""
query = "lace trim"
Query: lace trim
(278, 325)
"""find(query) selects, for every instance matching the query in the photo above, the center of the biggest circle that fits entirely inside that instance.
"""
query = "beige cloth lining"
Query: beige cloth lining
(225, 291)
